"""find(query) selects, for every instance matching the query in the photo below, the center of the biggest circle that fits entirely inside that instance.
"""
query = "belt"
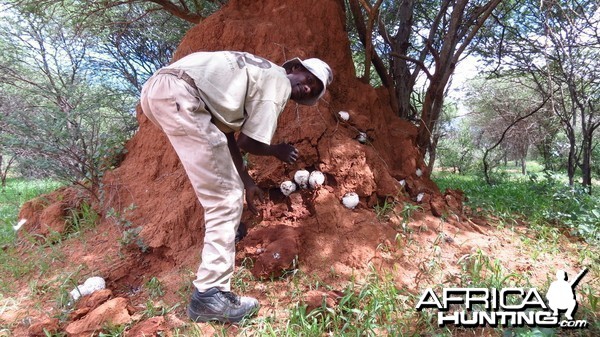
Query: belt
(180, 73)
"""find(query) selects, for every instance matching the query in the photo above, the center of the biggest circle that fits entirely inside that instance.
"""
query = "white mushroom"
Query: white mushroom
(89, 286)
(420, 196)
(350, 200)
(419, 172)
(301, 178)
(316, 178)
(362, 137)
(344, 115)
(287, 187)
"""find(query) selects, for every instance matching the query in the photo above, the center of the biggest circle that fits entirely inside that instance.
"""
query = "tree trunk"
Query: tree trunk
(402, 77)
(571, 161)
(4, 170)
(432, 108)
(586, 163)
(433, 153)
(2, 175)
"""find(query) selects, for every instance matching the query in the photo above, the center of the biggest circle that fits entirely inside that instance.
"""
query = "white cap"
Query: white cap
(318, 68)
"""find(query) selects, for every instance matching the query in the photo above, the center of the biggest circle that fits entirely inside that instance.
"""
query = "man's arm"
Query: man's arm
(252, 191)
(283, 152)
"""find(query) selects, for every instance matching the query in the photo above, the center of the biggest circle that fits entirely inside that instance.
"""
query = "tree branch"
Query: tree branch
(415, 61)
(380, 67)
(487, 151)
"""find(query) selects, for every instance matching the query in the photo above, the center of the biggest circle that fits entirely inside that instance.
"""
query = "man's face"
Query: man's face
(305, 85)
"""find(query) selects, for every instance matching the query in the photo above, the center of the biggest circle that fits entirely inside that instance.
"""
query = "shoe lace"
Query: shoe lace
(231, 297)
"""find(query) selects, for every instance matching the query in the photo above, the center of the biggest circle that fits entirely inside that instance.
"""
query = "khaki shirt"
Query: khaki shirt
(243, 92)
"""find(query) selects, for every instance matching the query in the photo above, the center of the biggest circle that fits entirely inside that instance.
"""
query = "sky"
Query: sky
(465, 70)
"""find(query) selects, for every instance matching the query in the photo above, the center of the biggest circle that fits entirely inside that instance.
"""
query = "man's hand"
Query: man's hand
(285, 152)
(253, 192)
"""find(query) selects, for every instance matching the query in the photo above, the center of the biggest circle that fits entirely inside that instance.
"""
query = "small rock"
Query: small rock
(97, 298)
(315, 299)
(40, 328)
(281, 256)
(113, 312)
(90, 302)
(438, 206)
(150, 327)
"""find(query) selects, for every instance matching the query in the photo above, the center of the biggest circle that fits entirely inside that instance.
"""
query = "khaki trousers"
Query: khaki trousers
(174, 105)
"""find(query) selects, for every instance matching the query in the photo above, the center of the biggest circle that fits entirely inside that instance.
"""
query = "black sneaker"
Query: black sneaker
(222, 306)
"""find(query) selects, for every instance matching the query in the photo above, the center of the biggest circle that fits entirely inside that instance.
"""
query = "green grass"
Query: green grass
(12, 197)
(509, 198)
(16, 192)
(376, 307)
(540, 198)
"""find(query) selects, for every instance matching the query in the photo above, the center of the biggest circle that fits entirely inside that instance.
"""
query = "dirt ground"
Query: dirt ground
(330, 243)
(153, 224)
